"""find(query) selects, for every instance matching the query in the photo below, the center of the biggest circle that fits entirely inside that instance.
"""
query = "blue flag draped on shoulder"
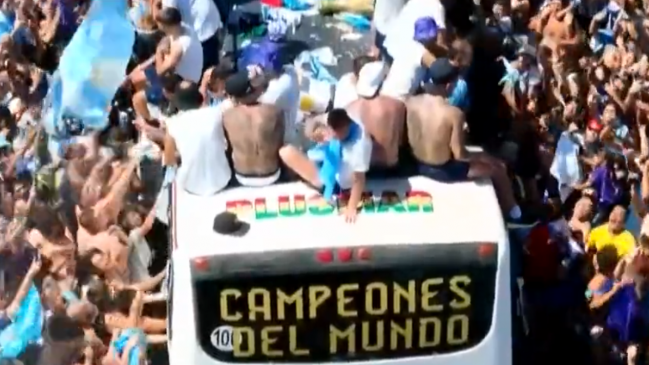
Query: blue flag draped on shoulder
(92, 67)
(123, 339)
(25, 328)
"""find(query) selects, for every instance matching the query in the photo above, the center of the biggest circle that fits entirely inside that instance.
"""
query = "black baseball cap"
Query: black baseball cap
(442, 71)
(227, 223)
(238, 85)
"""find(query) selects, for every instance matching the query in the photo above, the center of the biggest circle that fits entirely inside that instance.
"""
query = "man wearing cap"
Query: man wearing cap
(410, 59)
(383, 117)
(436, 137)
(196, 135)
(520, 76)
(255, 131)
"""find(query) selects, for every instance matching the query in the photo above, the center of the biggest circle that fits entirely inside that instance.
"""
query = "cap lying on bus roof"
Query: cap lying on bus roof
(228, 223)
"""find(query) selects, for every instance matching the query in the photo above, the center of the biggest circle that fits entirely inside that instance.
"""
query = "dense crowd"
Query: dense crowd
(555, 93)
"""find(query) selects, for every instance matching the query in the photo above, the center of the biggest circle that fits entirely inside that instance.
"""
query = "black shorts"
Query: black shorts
(448, 172)
(211, 51)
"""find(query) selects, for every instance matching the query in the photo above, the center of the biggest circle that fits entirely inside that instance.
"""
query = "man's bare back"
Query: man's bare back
(255, 134)
(431, 122)
(384, 119)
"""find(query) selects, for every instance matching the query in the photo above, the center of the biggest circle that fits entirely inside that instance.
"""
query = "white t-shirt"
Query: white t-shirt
(345, 91)
(284, 92)
(200, 141)
(356, 158)
(385, 12)
(405, 75)
(399, 39)
(190, 65)
(201, 15)
(139, 257)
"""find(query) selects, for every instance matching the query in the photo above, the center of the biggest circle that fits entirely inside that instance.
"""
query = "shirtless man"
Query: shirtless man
(565, 44)
(255, 132)
(98, 236)
(436, 136)
(581, 216)
(383, 117)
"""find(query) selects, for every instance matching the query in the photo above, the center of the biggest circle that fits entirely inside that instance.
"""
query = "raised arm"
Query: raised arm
(24, 288)
(151, 283)
(115, 198)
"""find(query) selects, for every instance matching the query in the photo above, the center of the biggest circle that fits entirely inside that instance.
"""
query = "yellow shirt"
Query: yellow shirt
(601, 237)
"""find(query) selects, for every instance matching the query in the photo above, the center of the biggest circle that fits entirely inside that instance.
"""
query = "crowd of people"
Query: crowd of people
(555, 93)
(80, 283)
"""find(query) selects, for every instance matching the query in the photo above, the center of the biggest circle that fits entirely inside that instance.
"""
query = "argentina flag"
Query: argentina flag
(92, 68)
(25, 328)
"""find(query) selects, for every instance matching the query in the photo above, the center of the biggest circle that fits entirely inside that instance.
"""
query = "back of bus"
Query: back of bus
(423, 274)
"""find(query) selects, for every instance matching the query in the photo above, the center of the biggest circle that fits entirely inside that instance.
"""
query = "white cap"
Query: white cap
(370, 79)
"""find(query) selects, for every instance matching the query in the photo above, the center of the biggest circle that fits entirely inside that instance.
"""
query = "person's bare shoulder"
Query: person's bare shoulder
(230, 113)
(269, 111)
(417, 101)
(454, 112)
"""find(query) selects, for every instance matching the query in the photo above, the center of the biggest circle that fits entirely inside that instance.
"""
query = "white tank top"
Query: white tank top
(190, 65)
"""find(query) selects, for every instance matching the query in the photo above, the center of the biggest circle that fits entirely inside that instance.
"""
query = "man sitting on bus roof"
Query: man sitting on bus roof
(437, 139)
(255, 131)
(196, 135)
(342, 158)
(382, 116)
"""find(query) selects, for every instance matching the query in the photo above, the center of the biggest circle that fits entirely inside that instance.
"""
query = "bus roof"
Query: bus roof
(286, 216)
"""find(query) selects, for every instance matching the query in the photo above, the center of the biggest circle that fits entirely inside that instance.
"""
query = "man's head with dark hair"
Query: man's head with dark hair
(123, 300)
(606, 259)
(443, 75)
(227, 223)
(47, 221)
(63, 341)
(359, 62)
(169, 19)
(218, 76)
(170, 82)
(339, 121)
(239, 87)
(187, 96)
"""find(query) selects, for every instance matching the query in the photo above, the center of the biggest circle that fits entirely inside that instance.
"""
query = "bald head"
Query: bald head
(616, 219)
(583, 208)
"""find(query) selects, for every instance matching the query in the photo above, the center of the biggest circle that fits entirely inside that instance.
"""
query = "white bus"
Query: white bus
(423, 275)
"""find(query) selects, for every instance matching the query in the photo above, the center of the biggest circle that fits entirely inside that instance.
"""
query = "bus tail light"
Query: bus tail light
(486, 249)
(324, 256)
(345, 254)
(201, 263)
(363, 253)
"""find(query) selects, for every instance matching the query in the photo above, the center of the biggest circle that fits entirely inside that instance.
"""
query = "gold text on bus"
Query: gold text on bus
(406, 298)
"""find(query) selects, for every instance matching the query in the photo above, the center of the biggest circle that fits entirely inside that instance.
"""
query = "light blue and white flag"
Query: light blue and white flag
(25, 328)
(92, 68)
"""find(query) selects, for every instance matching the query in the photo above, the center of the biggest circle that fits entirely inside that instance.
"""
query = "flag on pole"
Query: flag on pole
(91, 69)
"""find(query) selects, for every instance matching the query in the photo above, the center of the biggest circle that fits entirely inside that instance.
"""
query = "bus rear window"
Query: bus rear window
(406, 301)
